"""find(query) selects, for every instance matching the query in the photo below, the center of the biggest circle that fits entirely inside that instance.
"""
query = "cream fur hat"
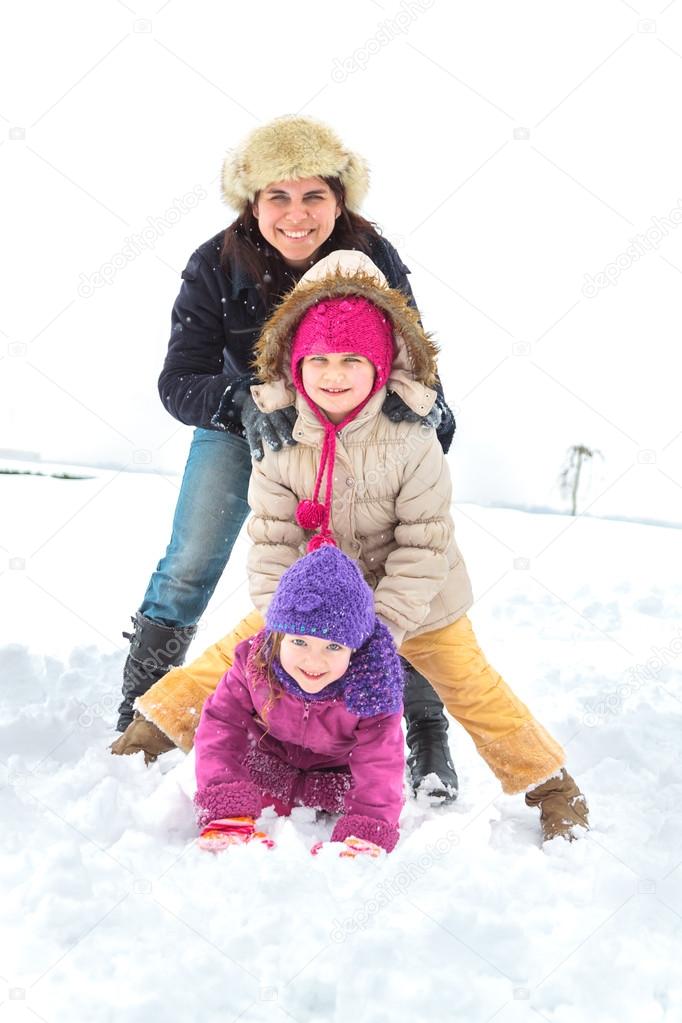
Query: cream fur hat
(290, 148)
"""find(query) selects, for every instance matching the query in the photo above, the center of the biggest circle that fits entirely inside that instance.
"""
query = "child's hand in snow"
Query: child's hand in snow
(352, 847)
(226, 831)
(360, 847)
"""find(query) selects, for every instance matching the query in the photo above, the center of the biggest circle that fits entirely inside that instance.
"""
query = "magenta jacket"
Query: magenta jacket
(312, 752)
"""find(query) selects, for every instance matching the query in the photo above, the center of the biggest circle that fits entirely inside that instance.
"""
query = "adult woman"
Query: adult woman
(298, 190)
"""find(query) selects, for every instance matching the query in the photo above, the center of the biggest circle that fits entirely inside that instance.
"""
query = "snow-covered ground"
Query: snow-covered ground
(111, 912)
(554, 168)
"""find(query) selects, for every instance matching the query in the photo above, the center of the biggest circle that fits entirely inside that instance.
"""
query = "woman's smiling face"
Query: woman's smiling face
(296, 217)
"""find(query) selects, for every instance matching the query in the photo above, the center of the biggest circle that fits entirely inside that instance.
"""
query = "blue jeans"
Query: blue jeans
(210, 512)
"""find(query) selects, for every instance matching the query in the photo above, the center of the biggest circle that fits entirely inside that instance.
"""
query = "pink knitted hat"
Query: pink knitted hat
(336, 325)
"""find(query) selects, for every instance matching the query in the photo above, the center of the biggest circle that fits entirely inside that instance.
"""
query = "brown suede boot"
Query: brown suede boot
(141, 736)
(563, 808)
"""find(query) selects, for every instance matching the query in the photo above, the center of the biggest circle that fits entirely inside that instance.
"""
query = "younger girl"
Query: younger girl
(309, 714)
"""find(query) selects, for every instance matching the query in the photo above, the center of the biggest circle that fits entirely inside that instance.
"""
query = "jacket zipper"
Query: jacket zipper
(306, 712)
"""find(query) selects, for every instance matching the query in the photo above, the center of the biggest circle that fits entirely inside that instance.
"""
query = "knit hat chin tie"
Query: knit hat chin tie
(337, 325)
(312, 514)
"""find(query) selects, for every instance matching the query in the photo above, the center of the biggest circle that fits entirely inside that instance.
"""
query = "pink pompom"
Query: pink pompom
(310, 514)
(320, 540)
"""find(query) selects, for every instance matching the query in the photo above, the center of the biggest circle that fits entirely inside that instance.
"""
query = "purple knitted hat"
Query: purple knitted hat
(323, 594)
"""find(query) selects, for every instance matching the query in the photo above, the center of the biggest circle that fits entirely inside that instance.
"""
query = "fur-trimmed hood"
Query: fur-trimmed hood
(342, 273)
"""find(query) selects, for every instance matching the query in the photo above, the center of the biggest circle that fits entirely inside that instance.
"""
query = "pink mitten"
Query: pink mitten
(226, 831)
(353, 847)
(360, 847)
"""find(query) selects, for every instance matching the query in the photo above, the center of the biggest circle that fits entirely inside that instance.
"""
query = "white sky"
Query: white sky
(112, 114)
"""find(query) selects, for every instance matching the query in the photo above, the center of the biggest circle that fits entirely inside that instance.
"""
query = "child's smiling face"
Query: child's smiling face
(337, 382)
(313, 662)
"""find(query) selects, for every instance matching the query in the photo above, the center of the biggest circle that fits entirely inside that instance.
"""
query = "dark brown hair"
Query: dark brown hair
(244, 245)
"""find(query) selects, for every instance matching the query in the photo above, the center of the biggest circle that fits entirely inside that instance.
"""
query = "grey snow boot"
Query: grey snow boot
(154, 649)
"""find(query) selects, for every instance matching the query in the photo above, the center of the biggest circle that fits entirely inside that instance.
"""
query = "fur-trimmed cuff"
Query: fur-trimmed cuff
(227, 799)
(174, 705)
(525, 758)
(369, 828)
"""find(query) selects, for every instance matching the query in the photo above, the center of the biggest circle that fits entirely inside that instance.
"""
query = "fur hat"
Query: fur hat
(290, 148)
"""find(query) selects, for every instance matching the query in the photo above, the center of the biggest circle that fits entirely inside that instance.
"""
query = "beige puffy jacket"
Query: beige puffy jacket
(392, 487)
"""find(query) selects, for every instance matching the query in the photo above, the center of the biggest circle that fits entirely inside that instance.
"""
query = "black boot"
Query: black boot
(427, 738)
(154, 649)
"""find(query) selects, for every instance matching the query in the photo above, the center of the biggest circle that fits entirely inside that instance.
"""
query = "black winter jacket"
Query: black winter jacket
(216, 321)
